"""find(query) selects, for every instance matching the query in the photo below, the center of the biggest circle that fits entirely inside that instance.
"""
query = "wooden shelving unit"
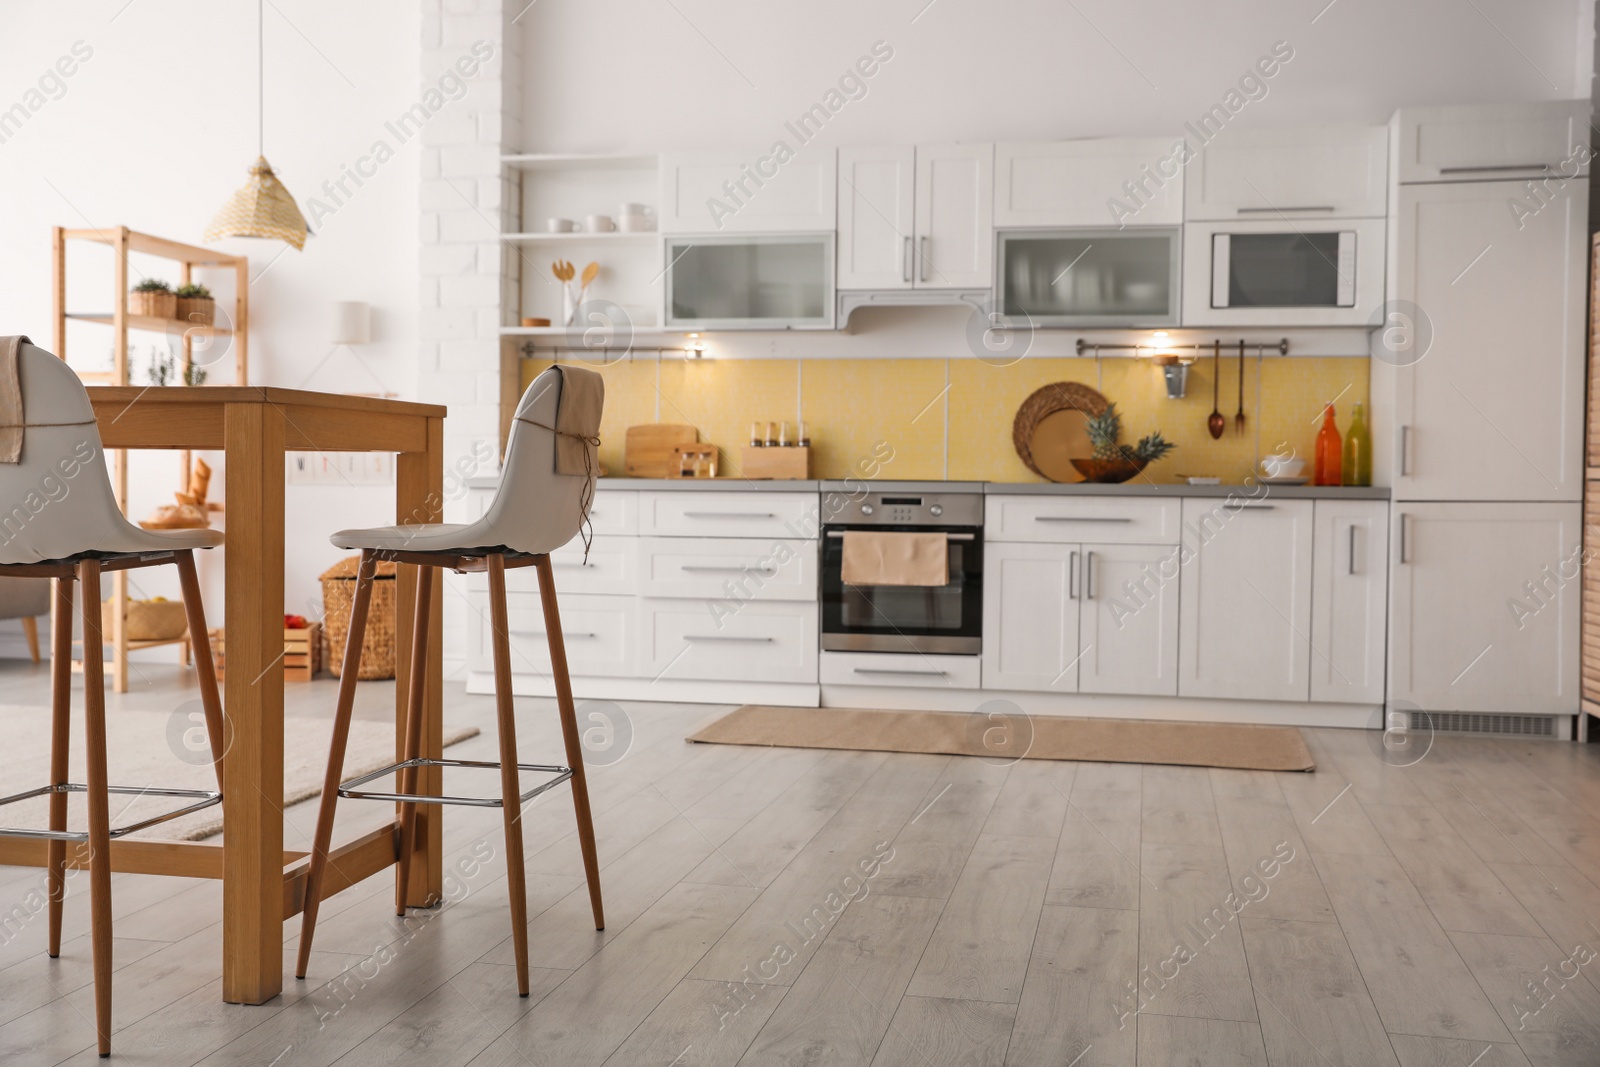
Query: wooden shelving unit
(189, 258)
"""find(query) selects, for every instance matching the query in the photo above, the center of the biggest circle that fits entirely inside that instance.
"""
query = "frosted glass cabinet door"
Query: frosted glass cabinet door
(750, 283)
(1105, 277)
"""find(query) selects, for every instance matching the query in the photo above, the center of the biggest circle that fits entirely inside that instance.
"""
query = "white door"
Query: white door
(1349, 600)
(1030, 617)
(1100, 182)
(1494, 410)
(748, 191)
(1245, 600)
(1485, 607)
(955, 216)
(1129, 619)
(876, 218)
(1479, 141)
(1310, 172)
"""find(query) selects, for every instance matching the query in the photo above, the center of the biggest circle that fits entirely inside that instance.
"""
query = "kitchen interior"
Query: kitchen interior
(1085, 564)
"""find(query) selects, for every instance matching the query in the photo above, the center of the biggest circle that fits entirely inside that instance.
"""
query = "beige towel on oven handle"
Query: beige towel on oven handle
(11, 414)
(895, 557)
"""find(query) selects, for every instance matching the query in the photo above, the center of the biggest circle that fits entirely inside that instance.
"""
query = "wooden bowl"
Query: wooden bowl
(1108, 471)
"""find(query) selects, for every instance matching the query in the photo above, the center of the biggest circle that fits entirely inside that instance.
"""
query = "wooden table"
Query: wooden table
(254, 426)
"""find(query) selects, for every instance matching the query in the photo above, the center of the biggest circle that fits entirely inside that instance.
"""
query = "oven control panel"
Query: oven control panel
(916, 509)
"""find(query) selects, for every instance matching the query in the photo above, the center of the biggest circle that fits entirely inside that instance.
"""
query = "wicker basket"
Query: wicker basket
(147, 620)
(155, 304)
(338, 596)
(197, 310)
(1046, 401)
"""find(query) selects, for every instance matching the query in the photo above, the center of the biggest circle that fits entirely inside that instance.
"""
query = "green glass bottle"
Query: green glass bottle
(1357, 465)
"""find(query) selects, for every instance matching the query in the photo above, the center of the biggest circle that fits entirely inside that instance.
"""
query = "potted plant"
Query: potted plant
(195, 305)
(153, 297)
(1113, 461)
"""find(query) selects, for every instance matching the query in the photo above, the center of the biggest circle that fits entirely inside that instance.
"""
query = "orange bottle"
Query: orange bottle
(1329, 451)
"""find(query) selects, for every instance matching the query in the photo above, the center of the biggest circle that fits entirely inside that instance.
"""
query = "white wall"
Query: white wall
(641, 75)
(156, 129)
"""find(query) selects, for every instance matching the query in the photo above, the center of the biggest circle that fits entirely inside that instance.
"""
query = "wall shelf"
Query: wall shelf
(577, 161)
(153, 324)
(561, 238)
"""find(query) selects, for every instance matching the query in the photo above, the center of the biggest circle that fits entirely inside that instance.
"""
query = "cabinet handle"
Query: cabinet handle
(1403, 556)
(727, 637)
(923, 251)
(698, 569)
(1252, 507)
(949, 536)
(729, 515)
(905, 257)
(1352, 548)
(1405, 451)
(1080, 518)
(1088, 576)
(1072, 575)
(540, 633)
(1491, 170)
(1284, 210)
(885, 670)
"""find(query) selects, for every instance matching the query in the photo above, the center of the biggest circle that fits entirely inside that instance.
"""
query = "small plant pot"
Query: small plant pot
(1108, 471)
(197, 310)
(155, 305)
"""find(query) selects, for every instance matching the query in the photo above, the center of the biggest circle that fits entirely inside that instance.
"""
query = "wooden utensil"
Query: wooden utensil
(590, 272)
(1216, 423)
(648, 451)
(1238, 420)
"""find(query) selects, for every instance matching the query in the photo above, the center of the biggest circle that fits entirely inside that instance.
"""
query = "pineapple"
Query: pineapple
(1105, 430)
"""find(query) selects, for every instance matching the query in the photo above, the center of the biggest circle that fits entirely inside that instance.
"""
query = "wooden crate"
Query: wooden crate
(302, 653)
(792, 462)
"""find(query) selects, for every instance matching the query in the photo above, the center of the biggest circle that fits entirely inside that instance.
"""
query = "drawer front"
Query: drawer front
(899, 669)
(601, 634)
(691, 514)
(1062, 520)
(735, 568)
(614, 512)
(771, 641)
(612, 569)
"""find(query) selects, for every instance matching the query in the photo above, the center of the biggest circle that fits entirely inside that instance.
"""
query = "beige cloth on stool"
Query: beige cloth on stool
(893, 557)
(11, 416)
(583, 395)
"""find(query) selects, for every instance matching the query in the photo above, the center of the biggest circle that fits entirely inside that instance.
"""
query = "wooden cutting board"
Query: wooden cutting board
(648, 449)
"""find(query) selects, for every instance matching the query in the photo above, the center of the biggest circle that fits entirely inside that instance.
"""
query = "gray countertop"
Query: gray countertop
(721, 485)
(1134, 488)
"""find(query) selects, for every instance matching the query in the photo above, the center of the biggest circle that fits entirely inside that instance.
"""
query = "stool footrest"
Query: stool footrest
(347, 789)
(203, 799)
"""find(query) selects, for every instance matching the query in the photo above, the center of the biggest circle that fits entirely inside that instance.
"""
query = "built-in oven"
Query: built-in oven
(1300, 272)
(931, 619)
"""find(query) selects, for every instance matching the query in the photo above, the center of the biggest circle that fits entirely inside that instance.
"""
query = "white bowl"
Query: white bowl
(1282, 466)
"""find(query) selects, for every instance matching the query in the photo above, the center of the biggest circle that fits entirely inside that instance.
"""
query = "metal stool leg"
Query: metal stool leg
(205, 667)
(94, 682)
(60, 732)
(510, 786)
(413, 740)
(336, 749)
(569, 732)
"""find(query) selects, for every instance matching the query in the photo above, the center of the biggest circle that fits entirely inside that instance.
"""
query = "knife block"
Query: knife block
(781, 462)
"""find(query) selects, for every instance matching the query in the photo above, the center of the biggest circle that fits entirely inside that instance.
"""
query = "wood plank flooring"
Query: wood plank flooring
(808, 907)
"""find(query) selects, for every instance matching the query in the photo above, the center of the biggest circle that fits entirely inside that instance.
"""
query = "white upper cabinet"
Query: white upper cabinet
(750, 191)
(1492, 407)
(916, 218)
(1349, 600)
(1489, 141)
(1110, 182)
(876, 217)
(1309, 172)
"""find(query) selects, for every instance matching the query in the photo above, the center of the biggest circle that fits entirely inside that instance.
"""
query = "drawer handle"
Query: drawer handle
(728, 637)
(540, 633)
(886, 670)
(695, 568)
(948, 535)
(1251, 507)
(1491, 170)
(729, 515)
(1083, 518)
(1284, 210)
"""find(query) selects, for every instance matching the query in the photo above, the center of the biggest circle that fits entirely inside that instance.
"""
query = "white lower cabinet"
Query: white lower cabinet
(1245, 600)
(757, 641)
(1484, 611)
(1349, 600)
(600, 632)
(1030, 616)
(901, 669)
(1128, 620)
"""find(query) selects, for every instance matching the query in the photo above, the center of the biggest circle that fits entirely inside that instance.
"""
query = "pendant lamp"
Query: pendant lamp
(262, 207)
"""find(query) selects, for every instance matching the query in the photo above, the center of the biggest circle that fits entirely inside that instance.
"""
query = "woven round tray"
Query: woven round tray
(1044, 402)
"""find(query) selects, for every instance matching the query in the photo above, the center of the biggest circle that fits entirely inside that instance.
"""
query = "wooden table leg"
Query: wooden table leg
(252, 805)
(419, 498)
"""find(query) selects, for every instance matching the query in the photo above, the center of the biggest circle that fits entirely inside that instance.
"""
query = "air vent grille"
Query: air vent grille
(1472, 722)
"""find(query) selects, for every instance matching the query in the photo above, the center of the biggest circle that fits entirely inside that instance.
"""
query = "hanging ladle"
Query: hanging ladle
(1217, 422)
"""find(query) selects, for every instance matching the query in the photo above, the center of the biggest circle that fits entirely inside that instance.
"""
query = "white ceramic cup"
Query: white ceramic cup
(635, 223)
(601, 224)
(633, 209)
(1282, 466)
(560, 225)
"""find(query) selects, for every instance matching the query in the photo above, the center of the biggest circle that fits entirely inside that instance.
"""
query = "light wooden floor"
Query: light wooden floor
(1044, 913)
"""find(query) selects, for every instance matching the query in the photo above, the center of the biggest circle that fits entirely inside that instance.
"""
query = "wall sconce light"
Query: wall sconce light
(695, 349)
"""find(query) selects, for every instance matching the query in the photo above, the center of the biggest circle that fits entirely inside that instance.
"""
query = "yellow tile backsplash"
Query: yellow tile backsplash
(952, 418)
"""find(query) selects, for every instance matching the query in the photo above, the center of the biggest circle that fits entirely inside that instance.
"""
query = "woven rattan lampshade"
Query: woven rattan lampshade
(261, 208)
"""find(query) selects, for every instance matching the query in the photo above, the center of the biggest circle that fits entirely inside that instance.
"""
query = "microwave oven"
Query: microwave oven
(1283, 273)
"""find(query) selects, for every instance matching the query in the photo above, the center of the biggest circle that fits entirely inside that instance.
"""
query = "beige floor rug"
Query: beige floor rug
(140, 754)
(1189, 744)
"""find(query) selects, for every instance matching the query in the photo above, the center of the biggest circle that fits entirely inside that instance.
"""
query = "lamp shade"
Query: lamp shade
(352, 323)
(261, 208)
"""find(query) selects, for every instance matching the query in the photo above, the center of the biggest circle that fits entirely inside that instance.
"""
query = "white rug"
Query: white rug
(167, 750)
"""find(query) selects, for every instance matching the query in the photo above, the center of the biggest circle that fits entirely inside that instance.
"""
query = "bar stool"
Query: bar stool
(536, 510)
(63, 522)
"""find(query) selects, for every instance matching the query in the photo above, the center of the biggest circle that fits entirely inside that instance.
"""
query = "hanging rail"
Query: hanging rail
(1094, 348)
